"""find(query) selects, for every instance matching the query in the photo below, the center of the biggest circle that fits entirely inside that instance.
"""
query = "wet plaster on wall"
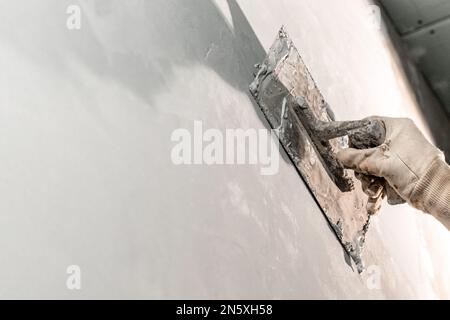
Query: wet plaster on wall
(95, 109)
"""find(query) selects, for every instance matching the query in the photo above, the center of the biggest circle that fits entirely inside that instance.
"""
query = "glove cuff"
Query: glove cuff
(432, 192)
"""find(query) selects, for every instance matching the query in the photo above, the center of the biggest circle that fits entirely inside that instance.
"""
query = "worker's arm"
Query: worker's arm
(410, 164)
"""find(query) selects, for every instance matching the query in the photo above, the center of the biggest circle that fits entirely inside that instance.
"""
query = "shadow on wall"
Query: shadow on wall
(171, 33)
(136, 43)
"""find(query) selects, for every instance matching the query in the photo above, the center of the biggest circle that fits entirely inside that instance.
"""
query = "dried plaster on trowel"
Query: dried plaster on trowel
(283, 87)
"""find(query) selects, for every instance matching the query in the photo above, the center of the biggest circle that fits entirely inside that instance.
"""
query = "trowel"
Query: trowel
(295, 108)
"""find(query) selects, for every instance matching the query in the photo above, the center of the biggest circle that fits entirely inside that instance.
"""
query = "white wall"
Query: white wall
(85, 170)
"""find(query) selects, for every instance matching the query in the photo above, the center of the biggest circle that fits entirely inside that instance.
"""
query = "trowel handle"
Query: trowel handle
(371, 135)
(366, 133)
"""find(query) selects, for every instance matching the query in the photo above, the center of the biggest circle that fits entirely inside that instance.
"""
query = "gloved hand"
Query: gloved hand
(411, 165)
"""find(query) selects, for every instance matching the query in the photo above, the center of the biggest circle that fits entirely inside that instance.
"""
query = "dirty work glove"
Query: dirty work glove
(377, 189)
(412, 166)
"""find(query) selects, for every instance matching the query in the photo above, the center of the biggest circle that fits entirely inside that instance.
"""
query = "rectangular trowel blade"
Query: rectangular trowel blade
(282, 77)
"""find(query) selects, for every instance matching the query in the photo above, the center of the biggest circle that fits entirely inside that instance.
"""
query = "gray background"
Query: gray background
(425, 28)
